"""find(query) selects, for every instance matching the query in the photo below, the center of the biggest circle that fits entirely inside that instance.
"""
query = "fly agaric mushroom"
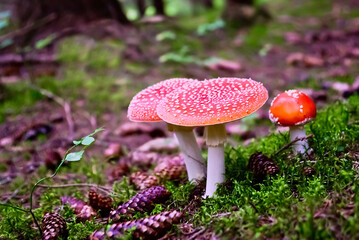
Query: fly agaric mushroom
(142, 108)
(212, 103)
(293, 109)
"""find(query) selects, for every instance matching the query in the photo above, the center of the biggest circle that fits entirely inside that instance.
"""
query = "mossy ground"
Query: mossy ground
(289, 205)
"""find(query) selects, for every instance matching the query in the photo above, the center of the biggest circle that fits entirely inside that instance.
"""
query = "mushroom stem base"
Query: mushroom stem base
(192, 155)
(300, 146)
(215, 169)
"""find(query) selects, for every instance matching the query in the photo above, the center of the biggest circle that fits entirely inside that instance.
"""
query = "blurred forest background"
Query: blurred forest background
(97, 54)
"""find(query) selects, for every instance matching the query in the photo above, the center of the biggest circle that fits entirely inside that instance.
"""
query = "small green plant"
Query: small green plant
(210, 27)
(84, 143)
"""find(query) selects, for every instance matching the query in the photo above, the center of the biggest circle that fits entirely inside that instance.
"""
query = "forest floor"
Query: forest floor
(307, 45)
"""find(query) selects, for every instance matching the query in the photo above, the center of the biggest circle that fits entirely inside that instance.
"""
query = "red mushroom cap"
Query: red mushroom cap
(142, 107)
(292, 108)
(212, 102)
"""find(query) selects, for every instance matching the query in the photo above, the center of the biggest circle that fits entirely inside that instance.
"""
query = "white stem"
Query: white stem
(192, 155)
(215, 169)
(300, 146)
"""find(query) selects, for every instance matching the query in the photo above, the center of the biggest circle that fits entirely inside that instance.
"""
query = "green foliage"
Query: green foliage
(4, 19)
(45, 42)
(179, 194)
(17, 97)
(182, 57)
(15, 224)
(124, 191)
(165, 35)
(82, 230)
(210, 27)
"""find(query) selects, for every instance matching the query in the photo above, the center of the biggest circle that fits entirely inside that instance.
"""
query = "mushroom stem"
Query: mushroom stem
(192, 155)
(298, 132)
(215, 137)
(215, 169)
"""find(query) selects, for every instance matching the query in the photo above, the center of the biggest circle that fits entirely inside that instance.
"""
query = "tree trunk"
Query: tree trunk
(141, 6)
(243, 13)
(38, 19)
(83, 11)
(160, 6)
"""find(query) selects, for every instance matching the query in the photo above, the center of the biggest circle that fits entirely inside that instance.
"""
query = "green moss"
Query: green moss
(17, 97)
(15, 224)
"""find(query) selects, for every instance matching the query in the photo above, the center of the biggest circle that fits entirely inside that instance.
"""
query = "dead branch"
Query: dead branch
(29, 27)
(65, 105)
(200, 231)
(292, 142)
(101, 188)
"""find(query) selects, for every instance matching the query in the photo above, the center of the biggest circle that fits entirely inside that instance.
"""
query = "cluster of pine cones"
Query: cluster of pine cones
(54, 226)
(85, 211)
(151, 227)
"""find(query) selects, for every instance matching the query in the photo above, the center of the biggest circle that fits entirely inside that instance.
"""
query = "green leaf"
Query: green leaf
(6, 42)
(210, 27)
(76, 142)
(75, 156)
(165, 35)
(87, 141)
(4, 14)
(96, 131)
(3, 23)
(44, 42)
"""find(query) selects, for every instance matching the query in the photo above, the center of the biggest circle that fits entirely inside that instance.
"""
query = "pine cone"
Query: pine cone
(143, 201)
(99, 202)
(261, 165)
(152, 227)
(53, 226)
(171, 169)
(82, 209)
(142, 180)
(309, 171)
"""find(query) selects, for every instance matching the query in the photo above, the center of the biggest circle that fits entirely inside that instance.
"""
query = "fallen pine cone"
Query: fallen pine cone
(143, 201)
(142, 180)
(53, 226)
(261, 165)
(309, 171)
(116, 172)
(99, 202)
(173, 173)
(171, 169)
(152, 227)
(82, 209)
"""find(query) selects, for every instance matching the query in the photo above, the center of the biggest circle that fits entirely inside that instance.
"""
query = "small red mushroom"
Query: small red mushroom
(212, 103)
(142, 108)
(293, 109)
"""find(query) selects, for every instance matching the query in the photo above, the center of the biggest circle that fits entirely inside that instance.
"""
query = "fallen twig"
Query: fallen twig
(201, 230)
(13, 194)
(29, 27)
(65, 105)
(292, 142)
(101, 188)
